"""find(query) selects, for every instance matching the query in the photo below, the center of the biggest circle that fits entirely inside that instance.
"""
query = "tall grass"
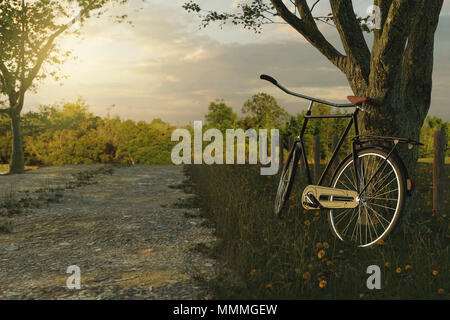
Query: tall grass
(297, 257)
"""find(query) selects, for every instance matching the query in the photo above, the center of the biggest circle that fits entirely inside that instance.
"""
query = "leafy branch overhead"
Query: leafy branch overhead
(28, 33)
(29, 50)
(254, 15)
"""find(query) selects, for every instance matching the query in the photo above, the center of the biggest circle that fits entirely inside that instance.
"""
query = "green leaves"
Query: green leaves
(28, 38)
(264, 112)
(249, 16)
(254, 15)
(220, 116)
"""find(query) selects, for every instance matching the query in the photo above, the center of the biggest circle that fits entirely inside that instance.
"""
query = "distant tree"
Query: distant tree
(220, 116)
(427, 135)
(325, 128)
(437, 123)
(29, 52)
(153, 144)
(263, 111)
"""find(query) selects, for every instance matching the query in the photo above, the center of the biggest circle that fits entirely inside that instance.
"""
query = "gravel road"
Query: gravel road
(120, 225)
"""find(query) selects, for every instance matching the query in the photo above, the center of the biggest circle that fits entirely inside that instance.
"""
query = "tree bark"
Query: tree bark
(17, 164)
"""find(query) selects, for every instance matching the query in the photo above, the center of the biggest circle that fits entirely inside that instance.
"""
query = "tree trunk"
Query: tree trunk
(17, 157)
(396, 119)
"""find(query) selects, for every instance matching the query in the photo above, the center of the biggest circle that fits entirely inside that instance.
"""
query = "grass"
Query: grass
(262, 257)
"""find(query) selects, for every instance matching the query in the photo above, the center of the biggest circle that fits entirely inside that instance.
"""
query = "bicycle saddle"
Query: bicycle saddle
(358, 101)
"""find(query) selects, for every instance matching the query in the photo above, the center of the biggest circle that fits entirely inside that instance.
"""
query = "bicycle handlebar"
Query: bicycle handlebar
(269, 78)
(275, 82)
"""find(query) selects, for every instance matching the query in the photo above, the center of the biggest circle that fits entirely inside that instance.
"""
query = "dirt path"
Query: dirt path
(124, 232)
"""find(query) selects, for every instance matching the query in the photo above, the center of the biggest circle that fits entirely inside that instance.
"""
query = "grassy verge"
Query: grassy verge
(262, 257)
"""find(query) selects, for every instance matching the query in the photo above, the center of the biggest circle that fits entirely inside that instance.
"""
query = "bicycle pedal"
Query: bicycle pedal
(311, 201)
(312, 206)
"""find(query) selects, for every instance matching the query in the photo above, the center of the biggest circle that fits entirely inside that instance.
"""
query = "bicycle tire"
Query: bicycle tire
(382, 202)
(287, 179)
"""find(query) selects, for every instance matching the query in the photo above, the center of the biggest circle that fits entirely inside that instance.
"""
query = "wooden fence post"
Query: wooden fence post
(439, 172)
(316, 158)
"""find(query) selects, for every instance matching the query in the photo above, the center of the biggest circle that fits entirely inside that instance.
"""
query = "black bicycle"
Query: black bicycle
(367, 191)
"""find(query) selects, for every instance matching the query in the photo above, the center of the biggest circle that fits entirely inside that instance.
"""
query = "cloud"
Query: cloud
(166, 67)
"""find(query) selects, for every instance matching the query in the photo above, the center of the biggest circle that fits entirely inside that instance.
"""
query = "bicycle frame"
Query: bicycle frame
(353, 122)
(357, 140)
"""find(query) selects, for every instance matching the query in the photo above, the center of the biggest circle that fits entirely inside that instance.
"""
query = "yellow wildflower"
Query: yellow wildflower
(306, 275)
(398, 270)
(323, 283)
(321, 254)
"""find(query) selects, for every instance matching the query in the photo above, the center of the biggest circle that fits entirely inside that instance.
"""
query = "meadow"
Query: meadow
(296, 257)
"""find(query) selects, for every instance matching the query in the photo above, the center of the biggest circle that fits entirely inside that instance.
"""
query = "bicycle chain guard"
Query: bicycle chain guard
(318, 197)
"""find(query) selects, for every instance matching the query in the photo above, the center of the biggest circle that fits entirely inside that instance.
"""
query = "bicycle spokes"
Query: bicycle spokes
(378, 204)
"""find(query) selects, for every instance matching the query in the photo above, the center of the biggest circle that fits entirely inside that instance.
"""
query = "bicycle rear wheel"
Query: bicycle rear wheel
(379, 206)
(287, 179)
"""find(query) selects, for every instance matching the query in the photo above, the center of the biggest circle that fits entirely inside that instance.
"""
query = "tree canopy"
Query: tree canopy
(29, 50)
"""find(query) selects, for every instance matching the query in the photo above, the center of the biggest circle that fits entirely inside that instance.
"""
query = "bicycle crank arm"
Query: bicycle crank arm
(318, 197)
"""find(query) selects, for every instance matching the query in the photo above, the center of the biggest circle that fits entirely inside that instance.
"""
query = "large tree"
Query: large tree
(397, 70)
(29, 51)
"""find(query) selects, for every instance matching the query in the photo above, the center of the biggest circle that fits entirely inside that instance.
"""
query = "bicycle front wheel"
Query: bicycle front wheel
(380, 205)
(287, 179)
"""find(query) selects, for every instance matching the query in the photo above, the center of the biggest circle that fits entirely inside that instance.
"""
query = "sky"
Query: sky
(165, 66)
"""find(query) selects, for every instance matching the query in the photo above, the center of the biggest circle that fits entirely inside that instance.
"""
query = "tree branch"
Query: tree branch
(6, 77)
(314, 5)
(417, 64)
(310, 32)
(387, 55)
(43, 53)
(2, 83)
(352, 37)
(305, 12)
(384, 6)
